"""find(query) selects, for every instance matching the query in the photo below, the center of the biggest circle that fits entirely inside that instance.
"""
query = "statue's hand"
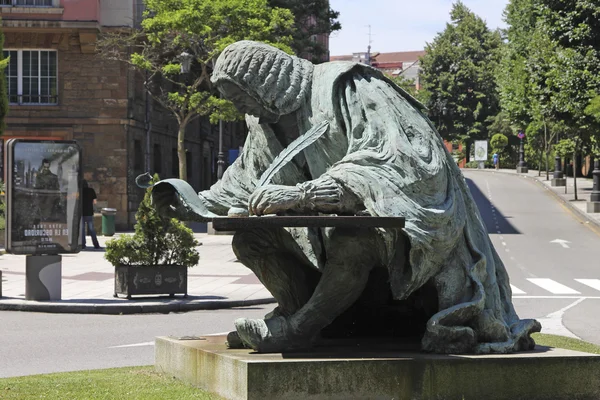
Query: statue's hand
(271, 199)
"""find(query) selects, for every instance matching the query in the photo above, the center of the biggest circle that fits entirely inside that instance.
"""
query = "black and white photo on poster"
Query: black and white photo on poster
(44, 197)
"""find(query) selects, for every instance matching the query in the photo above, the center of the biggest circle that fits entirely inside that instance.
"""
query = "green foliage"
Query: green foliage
(311, 17)
(404, 83)
(498, 143)
(565, 148)
(201, 29)
(458, 76)
(593, 109)
(157, 240)
(3, 92)
(550, 70)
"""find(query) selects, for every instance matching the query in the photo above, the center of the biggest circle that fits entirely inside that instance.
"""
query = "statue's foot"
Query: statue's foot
(234, 341)
(277, 312)
(269, 336)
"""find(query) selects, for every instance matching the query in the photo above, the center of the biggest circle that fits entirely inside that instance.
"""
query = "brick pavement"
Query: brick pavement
(218, 281)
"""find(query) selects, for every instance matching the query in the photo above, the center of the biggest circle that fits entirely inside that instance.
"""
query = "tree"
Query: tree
(458, 76)
(3, 92)
(498, 143)
(550, 69)
(177, 32)
(405, 83)
(312, 17)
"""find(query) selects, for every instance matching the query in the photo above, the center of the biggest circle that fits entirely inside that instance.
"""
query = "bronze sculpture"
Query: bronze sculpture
(377, 155)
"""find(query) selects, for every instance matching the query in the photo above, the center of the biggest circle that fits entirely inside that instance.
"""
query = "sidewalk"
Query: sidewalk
(584, 190)
(218, 281)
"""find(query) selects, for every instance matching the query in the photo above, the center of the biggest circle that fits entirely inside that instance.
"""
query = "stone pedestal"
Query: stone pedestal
(522, 170)
(593, 207)
(355, 372)
(43, 277)
(558, 182)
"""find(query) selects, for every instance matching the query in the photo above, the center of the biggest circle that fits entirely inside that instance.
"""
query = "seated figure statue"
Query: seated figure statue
(379, 156)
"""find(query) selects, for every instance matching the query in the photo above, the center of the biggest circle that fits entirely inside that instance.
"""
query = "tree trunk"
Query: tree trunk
(181, 151)
(575, 173)
(540, 162)
(546, 150)
(547, 166)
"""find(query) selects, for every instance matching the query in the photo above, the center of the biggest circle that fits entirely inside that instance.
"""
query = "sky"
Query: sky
(400, 25)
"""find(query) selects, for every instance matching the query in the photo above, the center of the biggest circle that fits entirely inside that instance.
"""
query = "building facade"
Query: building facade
(60, 89)
(404, 63)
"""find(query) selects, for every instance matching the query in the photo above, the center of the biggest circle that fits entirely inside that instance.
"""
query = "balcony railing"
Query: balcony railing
(33, 99)
(27, 3)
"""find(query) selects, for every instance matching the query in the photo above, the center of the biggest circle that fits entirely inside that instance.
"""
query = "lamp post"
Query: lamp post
(220, 155)
(522, 166)
(593, 206)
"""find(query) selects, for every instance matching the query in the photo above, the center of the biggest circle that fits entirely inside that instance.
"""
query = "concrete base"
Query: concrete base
(43, 276)
(593, 206)
(522, 170)
(558, 182)
(354, 372)
(211, 231)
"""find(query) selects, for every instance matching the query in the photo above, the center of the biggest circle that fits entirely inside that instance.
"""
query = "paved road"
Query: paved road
(36, 343)
(552, 257)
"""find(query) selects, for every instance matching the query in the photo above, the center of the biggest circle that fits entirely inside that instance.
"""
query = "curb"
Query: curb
(136, 308)
(579, 213)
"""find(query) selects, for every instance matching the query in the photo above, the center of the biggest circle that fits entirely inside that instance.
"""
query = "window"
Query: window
(43, 3)
(157, 159)
(31, 76)
(138, 158)
(174, 162)
(188, 161)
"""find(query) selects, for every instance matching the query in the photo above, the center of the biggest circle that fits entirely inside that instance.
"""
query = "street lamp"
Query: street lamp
(593, 206)
(221, 155)
(522, 166)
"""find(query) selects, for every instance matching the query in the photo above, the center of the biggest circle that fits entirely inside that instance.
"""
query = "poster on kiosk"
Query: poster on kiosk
(43, 196)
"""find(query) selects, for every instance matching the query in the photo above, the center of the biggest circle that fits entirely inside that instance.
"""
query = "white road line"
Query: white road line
(133, 345)
(552, 286)
(593, 283)
(559, 313)
(558, 297)
(516, 290)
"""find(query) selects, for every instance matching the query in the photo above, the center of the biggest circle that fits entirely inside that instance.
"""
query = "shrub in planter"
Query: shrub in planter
(154, 260)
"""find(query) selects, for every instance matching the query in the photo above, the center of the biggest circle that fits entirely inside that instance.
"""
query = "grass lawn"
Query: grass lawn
(143, 383)
(565, 343)
(137, 383)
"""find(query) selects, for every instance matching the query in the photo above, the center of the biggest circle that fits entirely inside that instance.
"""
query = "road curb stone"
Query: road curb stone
(136, 308)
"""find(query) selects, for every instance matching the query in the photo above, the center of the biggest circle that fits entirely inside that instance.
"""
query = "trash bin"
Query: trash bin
(108, 221)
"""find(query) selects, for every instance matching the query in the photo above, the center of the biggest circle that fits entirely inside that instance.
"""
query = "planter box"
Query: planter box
(136, 280)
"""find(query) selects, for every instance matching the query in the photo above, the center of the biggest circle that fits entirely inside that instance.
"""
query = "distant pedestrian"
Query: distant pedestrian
(88, 201)
(496, 160)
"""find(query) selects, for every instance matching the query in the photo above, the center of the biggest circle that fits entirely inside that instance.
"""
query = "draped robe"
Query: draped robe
(381, 148)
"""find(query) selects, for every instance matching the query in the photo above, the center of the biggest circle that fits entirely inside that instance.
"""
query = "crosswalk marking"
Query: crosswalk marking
(593, 283)
(552, 286)
(516, 290)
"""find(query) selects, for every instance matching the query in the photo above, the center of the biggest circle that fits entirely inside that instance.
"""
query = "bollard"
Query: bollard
(108, 221)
